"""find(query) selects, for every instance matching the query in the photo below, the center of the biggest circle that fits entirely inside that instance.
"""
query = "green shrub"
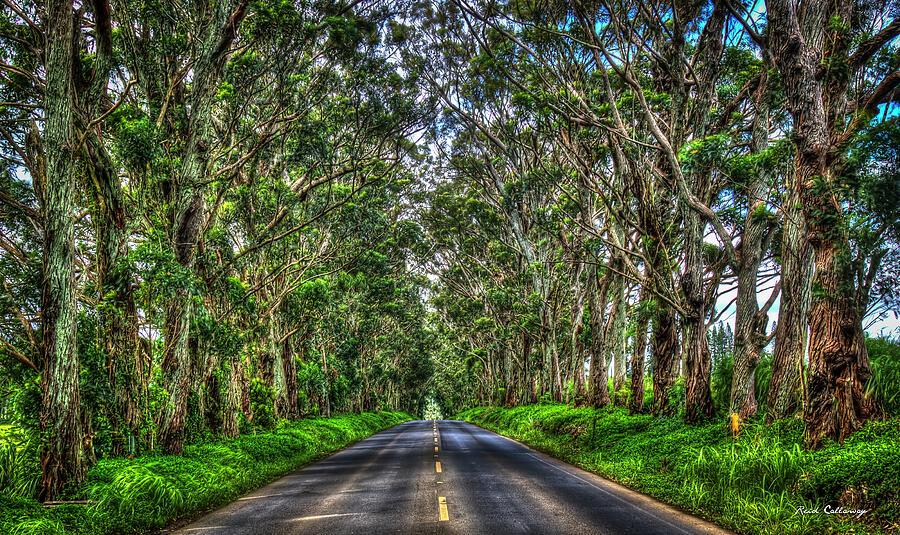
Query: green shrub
(884, 354)
(262, 403)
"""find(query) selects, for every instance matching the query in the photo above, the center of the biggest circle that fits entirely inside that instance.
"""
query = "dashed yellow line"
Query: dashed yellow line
(435, 448)
(437, 466)
(442, 509)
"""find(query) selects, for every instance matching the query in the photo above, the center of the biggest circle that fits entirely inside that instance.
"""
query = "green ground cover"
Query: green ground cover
(151, 491)
(754, 484)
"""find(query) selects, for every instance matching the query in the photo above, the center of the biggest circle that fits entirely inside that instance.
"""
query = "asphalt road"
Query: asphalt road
(391, 483)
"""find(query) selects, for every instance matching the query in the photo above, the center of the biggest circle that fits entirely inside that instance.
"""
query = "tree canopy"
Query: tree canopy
(220, 215)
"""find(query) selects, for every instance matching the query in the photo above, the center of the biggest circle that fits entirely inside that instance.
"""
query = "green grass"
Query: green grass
(19, 466)
(151, 491)
(753, 485)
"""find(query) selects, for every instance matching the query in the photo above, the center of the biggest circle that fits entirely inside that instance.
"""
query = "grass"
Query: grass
(19, 467)
(754, 484)
(151, 491)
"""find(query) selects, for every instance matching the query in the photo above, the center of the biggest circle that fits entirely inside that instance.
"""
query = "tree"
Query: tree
(802, 45)
(63, 459)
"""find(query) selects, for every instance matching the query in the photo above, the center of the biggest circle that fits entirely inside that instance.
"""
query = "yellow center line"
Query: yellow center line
(435, 448)
(442, 508)
(437, 466)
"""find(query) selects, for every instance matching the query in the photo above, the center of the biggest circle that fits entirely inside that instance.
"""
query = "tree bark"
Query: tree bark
(636, 403)
(790, 333)
(665, 359)
(598, 390)
(578, 302)
(619, 359)
(118, 317)
(696, 357)
(750, 321)
(290, 408)
(613, 348)
(63, 459)
(836, 403)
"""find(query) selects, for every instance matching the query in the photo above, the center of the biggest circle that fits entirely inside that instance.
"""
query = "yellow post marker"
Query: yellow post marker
(442, 508)
(437, 466)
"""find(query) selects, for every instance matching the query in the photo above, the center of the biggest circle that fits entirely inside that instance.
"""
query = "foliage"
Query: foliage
(884, 355)
(262, 404)
(19, 469)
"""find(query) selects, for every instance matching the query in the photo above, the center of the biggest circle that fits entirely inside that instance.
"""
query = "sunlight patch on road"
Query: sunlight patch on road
(258, 497)
(317, 517)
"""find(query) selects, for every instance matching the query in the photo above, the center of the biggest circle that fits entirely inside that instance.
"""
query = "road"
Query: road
(444, 477)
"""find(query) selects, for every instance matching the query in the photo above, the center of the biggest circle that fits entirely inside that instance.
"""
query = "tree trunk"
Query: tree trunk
(836, 403)
(63, 460)
(598, 390)
(118, 322)
(836, 399)
(750, 321)
(556, 388)
(790, 333)
(697, 359)
(528, 394)
(176, 369)
(665, 359)
(290, 408)
(698, 365)
(619, 365)
(637, 356)
(232, 404)
(578, 301)
(214, 403)
(615, 334)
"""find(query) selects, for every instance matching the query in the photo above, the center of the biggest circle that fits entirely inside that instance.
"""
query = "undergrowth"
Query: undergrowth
(755, 484)
(150, 491)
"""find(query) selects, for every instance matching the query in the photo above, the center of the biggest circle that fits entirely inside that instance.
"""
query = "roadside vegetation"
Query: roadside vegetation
(754, 483)
(151, 491)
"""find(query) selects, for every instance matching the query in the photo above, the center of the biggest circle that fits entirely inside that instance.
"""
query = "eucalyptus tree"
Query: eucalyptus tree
(63, 460)
(834, 85)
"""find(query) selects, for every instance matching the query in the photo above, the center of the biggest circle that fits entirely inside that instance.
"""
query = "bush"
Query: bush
(884, 354)
(262, 404)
